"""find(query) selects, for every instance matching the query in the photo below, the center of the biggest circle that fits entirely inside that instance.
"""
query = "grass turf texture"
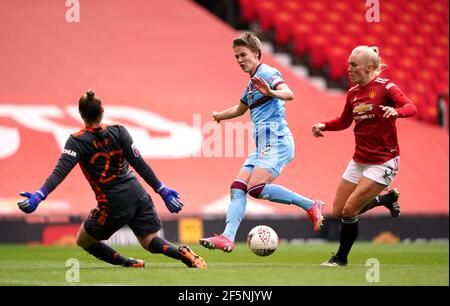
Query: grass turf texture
(291, 265)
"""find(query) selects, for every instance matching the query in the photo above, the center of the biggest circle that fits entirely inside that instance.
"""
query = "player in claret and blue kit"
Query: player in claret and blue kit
(264, 95)
(104, 153)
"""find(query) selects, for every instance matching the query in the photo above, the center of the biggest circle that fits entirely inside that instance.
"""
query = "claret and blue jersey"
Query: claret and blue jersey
(266, 111)
(274, 141)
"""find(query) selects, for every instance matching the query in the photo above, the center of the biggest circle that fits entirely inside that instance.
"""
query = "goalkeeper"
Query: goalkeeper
(104, 153)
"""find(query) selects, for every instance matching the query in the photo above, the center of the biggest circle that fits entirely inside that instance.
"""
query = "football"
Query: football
(262, 240)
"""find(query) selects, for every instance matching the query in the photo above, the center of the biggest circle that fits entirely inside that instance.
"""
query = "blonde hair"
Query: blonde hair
(250, 41)
(371, 55)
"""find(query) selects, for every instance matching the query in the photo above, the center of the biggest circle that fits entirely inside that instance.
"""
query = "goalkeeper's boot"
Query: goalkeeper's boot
(218, 242)
(315, 214)
(334, 262)
(190, 259)
(390, 201)
(133, 263)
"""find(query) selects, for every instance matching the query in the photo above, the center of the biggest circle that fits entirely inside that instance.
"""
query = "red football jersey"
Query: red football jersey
(375, 136)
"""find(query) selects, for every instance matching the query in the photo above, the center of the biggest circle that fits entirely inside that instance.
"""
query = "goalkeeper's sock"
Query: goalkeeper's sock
(106, 253)
(236, 209)
(349, 232)
(160, 245)
(280, 194)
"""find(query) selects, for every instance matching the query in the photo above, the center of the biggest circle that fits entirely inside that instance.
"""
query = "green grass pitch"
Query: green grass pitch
(291, 265)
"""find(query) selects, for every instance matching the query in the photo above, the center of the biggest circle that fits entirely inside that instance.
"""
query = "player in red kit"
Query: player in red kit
(374, 103)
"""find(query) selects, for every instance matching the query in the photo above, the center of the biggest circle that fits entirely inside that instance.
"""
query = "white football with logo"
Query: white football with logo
(262, 240)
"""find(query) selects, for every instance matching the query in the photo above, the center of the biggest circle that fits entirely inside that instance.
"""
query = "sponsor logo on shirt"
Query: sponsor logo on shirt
(70, 152)
(362, 117)
(362, 108)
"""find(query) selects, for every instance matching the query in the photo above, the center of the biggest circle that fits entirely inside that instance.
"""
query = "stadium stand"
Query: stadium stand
(414, 44)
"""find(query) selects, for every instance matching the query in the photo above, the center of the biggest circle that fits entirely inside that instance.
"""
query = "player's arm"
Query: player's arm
(232, 112)
(340, 123)
(68, 160)
(403, 106)
(135, 159)
(280, 91)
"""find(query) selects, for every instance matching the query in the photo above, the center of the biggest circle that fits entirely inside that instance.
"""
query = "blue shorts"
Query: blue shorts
(272, 156)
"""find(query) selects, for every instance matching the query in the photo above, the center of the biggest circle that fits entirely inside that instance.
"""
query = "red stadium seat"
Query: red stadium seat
(441, 54)
(309, 17)
(342, 8)
(283, 24)
(317, 44)
(300, 35)
(433, 18)
(337, 19)
(388, 54)
(400, 78)
(415, 98)
(336, 58)
(432, 63)
(416, 54)
(415, 7)
(248, 10)
(293, 7)
(378, 29)
(389, 8)
(265, 12)
(352, 30)
(319, 7)
(438, 7)
(344, 41)
(406, 18)
(442, 41)
(327, 29)
(406, 63)
(428, 77)
(403, 30)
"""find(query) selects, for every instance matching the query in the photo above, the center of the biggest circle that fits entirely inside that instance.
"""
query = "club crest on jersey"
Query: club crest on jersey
(135, 150)
(372, 94)
(362, 108)
(265, 151)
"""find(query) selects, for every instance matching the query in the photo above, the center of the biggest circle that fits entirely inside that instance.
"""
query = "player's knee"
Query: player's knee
(79, 242)
(238, 189)
(337, 213)
(82, 241)
(255, 191)
(146, 241)
(349, 212)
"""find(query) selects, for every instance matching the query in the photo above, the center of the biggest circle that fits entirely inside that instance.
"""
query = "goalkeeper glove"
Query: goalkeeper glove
(32, 200)
(170, 198)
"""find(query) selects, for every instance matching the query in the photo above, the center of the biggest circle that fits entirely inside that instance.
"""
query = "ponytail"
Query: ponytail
(90, 107)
